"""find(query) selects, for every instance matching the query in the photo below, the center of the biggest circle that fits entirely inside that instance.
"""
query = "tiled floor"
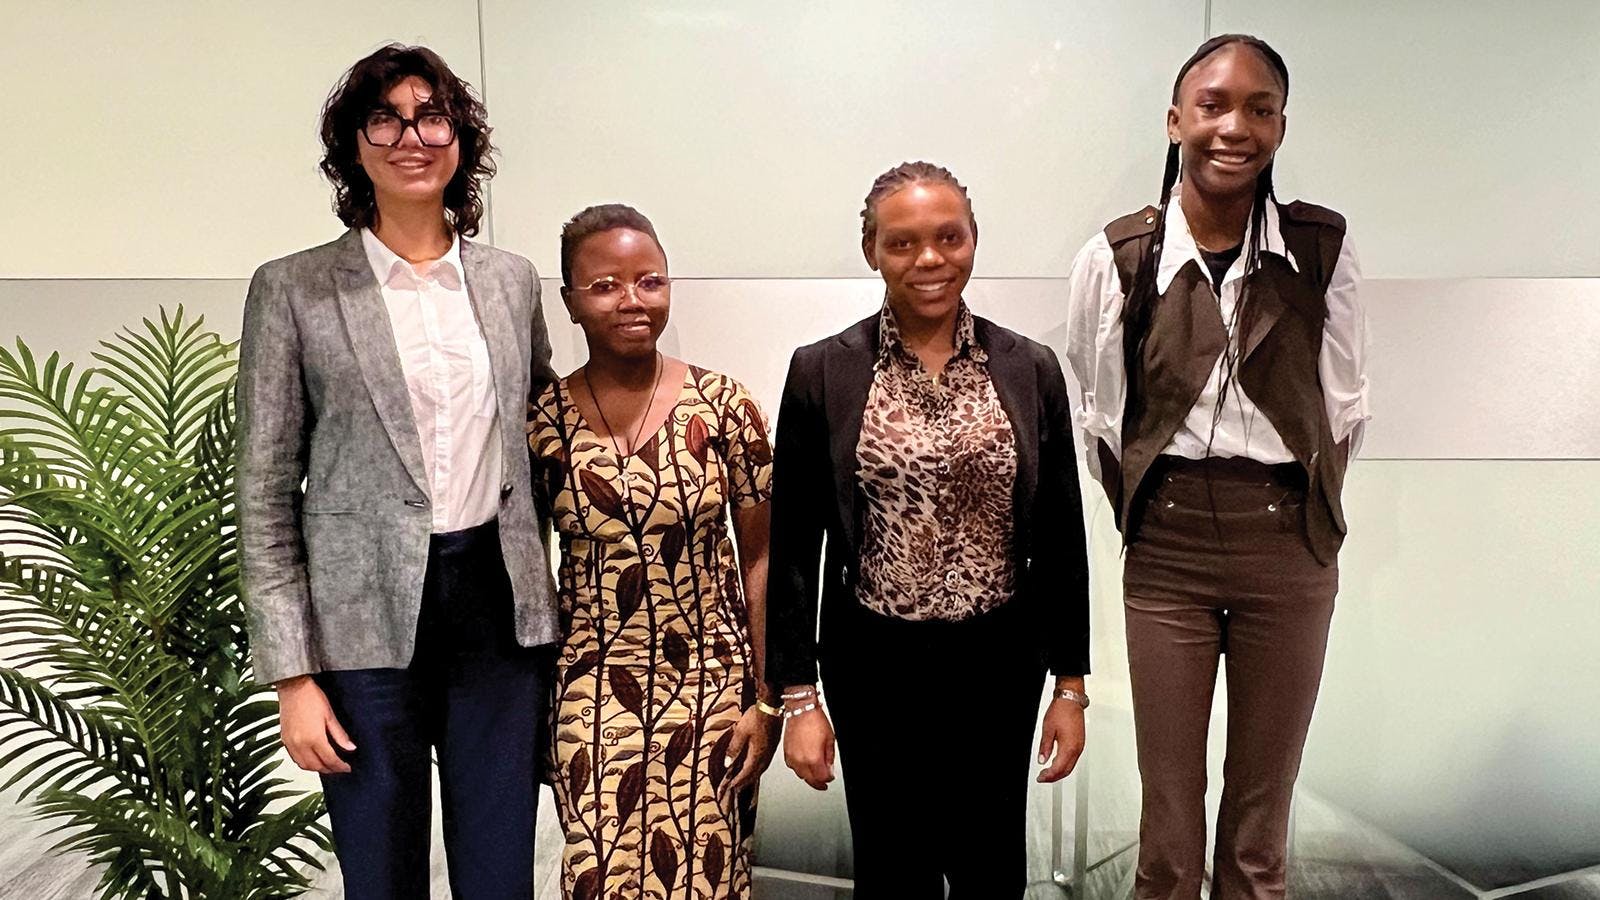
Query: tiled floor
(1334, 858)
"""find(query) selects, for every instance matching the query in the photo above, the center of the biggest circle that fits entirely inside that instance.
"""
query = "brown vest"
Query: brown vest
(1278, 369)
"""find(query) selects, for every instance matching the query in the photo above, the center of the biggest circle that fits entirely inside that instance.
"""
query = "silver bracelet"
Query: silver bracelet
(798, 711)
(1077, 697)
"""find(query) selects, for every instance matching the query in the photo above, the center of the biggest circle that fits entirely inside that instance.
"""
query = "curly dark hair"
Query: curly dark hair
(362, 89)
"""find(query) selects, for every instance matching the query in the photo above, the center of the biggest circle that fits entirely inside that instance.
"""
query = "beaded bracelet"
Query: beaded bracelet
(805, 694)
(798, 711)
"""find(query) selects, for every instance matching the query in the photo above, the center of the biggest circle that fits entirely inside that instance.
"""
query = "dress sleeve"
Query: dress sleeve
(748, 451)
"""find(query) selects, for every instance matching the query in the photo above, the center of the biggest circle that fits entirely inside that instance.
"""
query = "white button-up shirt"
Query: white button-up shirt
(446, 365)
(1094, 349)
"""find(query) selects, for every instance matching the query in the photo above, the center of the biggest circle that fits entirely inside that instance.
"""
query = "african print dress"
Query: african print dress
(653, 671)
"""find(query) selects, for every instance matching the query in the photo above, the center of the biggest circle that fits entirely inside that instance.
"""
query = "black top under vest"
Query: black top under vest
(1219, 263)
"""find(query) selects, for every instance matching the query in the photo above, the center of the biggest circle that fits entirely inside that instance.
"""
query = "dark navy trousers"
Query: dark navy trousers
(476, 697)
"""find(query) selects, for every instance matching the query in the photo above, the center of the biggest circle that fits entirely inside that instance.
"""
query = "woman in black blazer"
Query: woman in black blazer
(956, 572)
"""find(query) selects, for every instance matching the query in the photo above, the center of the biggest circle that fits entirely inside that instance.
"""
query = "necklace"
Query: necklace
(633, 444)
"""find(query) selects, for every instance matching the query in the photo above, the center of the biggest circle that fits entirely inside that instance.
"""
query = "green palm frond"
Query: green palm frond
(170, 374)
(129, 714)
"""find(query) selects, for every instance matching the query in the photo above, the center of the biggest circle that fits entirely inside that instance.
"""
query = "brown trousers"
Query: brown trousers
(1220, 568)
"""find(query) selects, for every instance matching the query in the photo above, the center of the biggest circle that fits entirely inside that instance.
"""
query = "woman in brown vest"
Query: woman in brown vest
(1219, 344)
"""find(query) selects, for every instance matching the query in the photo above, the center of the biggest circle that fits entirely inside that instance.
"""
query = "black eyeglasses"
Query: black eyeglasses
(384, 128)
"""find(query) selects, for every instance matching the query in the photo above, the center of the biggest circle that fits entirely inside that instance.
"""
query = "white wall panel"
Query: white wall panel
(1489, 368)
(751, 132)
(168, 139)
(1458, 137)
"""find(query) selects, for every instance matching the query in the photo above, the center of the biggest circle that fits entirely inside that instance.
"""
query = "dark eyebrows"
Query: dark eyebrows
(1206, 92)
(947, 225)
(426, 107)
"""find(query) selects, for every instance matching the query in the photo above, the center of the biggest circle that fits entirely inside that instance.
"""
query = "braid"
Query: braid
(902, 176)
(1138, 309)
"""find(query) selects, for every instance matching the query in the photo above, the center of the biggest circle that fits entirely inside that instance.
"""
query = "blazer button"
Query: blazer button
(417, 504)
(505, 490)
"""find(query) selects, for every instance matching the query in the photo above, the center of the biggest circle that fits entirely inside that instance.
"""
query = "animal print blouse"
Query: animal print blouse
(936, 463)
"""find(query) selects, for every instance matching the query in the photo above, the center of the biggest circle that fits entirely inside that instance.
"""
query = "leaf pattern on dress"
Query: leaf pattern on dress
(713, 858)
(582, 666)
(679, 746)
(600, 493)
(587, 885)
(625, 688)
(656, 651)
(675, 649)
(672, 541)
(630, 592)
(698, 439)
(759, 449)
(664, 856)
(578, 772)
(629, 790)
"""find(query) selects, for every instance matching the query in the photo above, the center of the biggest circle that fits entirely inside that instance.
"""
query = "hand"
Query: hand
(808, 747)
(306, 723)
(1062, 732)
(755, 740)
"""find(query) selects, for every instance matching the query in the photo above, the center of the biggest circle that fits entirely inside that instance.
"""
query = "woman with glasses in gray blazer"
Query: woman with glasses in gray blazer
(398, 592)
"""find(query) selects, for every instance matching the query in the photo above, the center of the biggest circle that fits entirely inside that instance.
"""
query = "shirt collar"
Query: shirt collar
(890, 343)
(392, 271)
(1178, 246)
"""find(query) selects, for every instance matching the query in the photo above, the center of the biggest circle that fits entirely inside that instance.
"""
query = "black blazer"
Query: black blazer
(815, 491)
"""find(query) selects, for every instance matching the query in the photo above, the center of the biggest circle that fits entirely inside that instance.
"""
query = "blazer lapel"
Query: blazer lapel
(489, 304)
(366, 321)
(1014, 383)
(847, 380)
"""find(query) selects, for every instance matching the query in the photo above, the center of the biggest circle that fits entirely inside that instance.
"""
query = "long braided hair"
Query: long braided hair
(1138, 309)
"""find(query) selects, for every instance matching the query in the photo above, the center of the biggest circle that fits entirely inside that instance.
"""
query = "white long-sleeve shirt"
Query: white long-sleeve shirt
(445, 361)
(1094, 350)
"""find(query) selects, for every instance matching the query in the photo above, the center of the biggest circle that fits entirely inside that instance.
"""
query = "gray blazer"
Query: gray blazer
(333, 501)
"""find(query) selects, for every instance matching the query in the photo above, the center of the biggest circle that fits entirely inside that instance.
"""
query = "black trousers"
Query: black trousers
(476, 696)
(935, 723)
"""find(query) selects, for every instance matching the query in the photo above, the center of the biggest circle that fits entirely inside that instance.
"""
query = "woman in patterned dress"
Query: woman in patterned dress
(661, 731)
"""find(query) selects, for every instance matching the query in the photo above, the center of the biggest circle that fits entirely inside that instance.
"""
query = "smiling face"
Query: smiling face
(409, 172)
(1229, 120)
(614, 299)
(923, 247)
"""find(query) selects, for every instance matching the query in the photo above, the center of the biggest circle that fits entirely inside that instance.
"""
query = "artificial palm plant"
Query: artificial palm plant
(128, 710)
